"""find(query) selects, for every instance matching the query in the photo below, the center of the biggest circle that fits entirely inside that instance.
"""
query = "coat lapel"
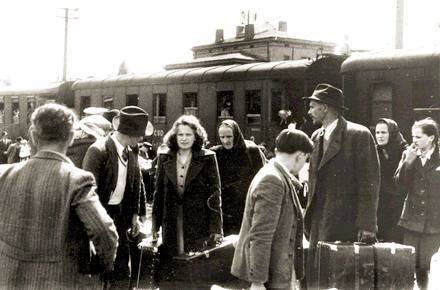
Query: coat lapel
(335, 142)
(113, 159)
(194, 168)
(430, 163)
(289, 181)
(171, 170)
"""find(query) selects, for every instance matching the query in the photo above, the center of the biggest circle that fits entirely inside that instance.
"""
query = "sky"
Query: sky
(147, 35)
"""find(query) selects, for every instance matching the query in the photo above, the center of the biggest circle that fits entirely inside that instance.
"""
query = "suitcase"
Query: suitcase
(345, 266)
(212, 265)
(394, 266)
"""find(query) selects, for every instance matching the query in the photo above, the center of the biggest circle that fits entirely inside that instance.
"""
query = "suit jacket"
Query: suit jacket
(270, 241)
(344, 186)
(44, 202)
(201, 200)
(4, 144)
(422, 184)
(101, 159)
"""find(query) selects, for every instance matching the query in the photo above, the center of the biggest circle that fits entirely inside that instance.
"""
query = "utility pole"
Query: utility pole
(66, 35)
(400, 23)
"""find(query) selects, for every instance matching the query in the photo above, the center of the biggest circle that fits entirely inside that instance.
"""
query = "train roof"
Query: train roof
(20, 91)
(257, 70)
(393, 59)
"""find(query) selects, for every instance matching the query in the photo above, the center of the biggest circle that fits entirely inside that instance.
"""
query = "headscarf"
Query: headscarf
(396, 142)
(239, 143)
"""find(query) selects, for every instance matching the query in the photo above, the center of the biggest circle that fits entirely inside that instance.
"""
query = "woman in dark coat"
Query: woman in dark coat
(419, 174)
(238, 160)
(390, 145)
(187, 202)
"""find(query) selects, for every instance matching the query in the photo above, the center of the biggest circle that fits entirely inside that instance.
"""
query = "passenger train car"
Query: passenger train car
(252, 94)
(400, 84)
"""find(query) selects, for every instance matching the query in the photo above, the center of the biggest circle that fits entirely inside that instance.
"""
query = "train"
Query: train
(399, 84)
(252, 94)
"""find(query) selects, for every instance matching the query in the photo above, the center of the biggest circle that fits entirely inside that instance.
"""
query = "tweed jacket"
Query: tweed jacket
(422, 185)
(44, 203)
(270, 240)
(344, 186)
(101, 159)
(201, 200)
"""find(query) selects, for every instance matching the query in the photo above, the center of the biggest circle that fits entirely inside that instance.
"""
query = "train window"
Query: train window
(190, 104)
(253, 106)
(15, 112)
(84, 103)
(382, 96)
(275, 105)
(107, 102)
(2, 113)
(225, 105)
(30, 109)
(286, 57)
(426, 102)
(159, 108)
(132, 100)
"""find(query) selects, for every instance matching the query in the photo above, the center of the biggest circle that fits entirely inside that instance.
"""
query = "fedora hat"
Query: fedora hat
(133, 121)
(328, 94)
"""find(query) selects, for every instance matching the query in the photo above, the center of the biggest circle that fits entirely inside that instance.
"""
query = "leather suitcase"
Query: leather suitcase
(394, 266)
(345, 266)
(212, 265)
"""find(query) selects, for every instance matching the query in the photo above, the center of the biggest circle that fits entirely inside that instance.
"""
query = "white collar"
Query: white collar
(427, 155)
(119, 147)
(329, 129)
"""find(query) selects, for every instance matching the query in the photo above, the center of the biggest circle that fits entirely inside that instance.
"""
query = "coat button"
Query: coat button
(422, 214)
(423, 202)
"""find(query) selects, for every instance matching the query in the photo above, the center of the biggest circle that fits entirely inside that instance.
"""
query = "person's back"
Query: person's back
(45, 205)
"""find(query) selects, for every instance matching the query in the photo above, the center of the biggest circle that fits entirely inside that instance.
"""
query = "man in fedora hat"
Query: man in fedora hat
(117, 173)
(344, 177)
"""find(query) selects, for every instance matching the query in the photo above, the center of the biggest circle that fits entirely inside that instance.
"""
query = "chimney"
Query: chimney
(249, 32)
(219, 36)
(282, 26)
(239, 31)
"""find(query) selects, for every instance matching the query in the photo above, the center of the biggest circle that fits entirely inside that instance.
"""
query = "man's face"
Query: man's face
(133, 140)
(317, 111)
(226, 137)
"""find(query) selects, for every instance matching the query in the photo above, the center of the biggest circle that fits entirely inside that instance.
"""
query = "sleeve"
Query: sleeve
(98, 224)
(267, 196)
(368, 181)
(404, 173)
(142, 198)
(214, 200)
(158, 196)
(93, 162)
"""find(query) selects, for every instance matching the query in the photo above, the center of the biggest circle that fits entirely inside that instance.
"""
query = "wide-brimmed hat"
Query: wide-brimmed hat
(328, 94)
(132, 121)
(95, 125)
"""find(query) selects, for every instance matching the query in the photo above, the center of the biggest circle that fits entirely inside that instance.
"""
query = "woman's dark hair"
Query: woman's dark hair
(170, 138)
(428, 127)
(52, 123)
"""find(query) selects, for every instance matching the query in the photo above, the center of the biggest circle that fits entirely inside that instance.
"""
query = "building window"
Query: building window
(225, 105)
(190, 104)
(84, 103)
(286, 45)
(159, 108)
(286, 57)
(132, 100)
(30, 109)
(15, 112)
(253, 107)
(251, 46)
(107, 102)
(2, 113)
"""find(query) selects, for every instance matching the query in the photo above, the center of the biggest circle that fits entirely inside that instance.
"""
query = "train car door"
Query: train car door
(159, 118)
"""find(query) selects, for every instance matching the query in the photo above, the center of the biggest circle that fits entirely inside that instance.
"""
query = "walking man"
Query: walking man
(344, 177)
(117, 173)
(4, 145)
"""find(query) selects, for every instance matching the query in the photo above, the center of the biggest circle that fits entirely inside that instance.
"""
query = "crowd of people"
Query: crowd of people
(70, 210)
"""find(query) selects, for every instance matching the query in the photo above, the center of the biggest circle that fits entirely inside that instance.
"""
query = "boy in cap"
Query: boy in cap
(269, 251)
(344, 178)
(116, 169)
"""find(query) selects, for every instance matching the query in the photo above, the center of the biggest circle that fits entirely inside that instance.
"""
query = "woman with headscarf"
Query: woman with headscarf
(390, 145)
(238, 160)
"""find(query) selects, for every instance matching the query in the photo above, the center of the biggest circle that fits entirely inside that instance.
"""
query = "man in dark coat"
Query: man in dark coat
(117, 174)
(4, 145)
(344, 177)
(269, 251)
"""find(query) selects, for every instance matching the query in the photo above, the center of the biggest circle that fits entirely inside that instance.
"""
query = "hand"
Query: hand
(216, 238)
(257, 286)
(411, 153)
(143, 219)
(366, 237)
(135, 225)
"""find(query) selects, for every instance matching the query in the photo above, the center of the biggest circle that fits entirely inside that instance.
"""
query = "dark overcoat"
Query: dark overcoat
(202, 214)
(269, 248)
(4, 145)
